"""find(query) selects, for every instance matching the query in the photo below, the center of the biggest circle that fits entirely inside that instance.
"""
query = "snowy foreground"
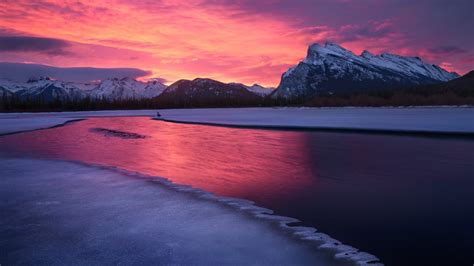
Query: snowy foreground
(61, 213)
(442, 120)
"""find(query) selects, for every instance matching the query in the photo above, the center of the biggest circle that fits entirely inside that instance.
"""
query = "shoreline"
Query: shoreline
(307, 235)
(416, 133)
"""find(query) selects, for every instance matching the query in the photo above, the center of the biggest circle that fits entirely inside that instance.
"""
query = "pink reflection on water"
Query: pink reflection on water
(226, 161)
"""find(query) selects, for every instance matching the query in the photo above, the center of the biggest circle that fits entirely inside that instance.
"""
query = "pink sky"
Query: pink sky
(231, 41)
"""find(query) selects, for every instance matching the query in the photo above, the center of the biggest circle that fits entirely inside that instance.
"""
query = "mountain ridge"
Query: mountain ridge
(207, 92)
(331, 68)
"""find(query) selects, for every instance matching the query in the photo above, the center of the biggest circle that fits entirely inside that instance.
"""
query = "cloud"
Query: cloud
(161, 80)
(231, 40)
(32, 44)
(22, 72)
(370, 30)
(447, 50)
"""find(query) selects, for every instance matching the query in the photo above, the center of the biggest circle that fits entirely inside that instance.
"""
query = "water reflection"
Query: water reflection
(226, 161)
(401, 198)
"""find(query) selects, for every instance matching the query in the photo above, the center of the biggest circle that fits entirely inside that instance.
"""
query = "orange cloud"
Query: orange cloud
(176, 39)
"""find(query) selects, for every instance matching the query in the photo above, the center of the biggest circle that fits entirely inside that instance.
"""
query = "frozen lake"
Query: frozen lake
(406, 199)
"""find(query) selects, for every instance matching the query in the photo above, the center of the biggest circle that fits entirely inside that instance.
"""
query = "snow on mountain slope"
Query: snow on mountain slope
(332, 68)
(127, 88)
(259, 90)
(48, 90)
(5, 93)
(12, 86)
(255, 88)
(153, 88)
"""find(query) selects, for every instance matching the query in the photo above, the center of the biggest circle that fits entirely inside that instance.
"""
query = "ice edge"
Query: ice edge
(322, 241)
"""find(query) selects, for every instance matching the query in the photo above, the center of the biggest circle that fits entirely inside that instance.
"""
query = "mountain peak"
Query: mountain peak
(367, 54)
(332, 67)
(317, 51)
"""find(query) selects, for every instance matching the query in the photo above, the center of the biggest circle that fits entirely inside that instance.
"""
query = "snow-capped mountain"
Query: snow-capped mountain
(127, 88)
(206, 92)
(12, 86)
(48, 90)
(5, 93)
(260, 90)
(332, 69)
(256, 89)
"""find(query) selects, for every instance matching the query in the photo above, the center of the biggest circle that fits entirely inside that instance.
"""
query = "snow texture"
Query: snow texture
(61, 213)
(127, 88)
(439, 120)
(260, 90)
(18, 122)
(442, 120)
(411, 66)
(48, 89)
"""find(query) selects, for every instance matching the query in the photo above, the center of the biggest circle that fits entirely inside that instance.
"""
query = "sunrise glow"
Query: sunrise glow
(231, 41)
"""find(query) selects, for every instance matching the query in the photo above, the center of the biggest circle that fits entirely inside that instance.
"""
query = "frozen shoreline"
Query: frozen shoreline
(61, 212)
(11, 123)
(457, 121)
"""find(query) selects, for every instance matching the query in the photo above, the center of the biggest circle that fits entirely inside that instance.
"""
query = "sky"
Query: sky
(243, 41)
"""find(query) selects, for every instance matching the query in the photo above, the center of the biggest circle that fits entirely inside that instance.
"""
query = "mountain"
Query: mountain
(47, 90)
(127, 88)
(206, 92)
(256, 89)
(462, 86)
(333, 69)
(11, 85)
(5, 93)
(260, 90)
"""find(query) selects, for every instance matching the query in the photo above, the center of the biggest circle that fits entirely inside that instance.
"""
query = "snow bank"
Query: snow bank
(19, 122)
(439, 120)
(66, 213)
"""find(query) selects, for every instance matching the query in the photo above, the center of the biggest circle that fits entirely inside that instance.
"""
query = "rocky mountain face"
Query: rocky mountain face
(333, 69)
(207, 92)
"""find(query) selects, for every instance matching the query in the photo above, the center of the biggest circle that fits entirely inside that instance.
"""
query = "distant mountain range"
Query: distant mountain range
(327, 71)
(333, 69)
(47, 90)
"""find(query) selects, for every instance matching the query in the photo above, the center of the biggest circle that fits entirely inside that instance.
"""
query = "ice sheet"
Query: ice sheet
(18, 122)
(458, 120)
(67, 213)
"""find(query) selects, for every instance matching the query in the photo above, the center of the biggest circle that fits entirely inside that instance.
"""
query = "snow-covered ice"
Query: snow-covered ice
(62, 213)
(443, 120)
(17, 122)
